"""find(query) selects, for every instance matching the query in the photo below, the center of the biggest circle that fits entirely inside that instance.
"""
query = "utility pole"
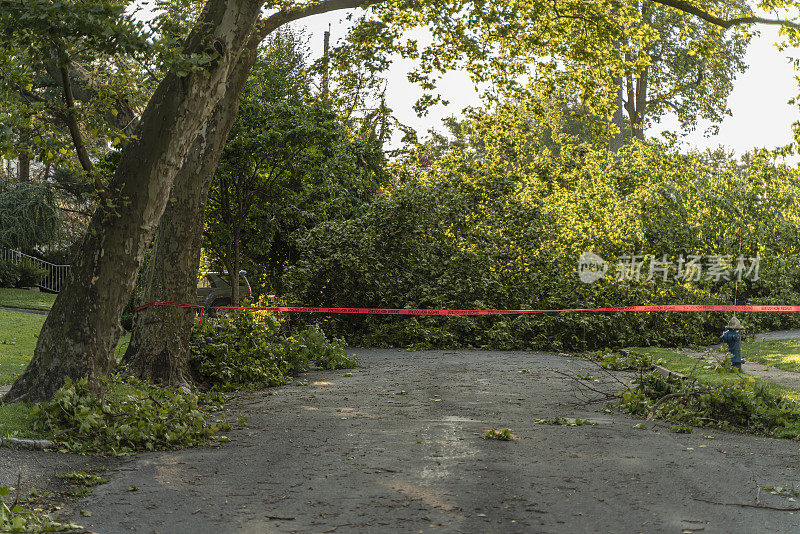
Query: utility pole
(325, 65)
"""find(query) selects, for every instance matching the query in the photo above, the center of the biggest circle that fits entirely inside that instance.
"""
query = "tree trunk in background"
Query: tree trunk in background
(236, 260)
(635, 106)
(24, 167)
(617, 142)
(81, 332)
(159, 347)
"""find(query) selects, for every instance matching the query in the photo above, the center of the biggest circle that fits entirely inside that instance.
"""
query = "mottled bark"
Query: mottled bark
(159, 348)
(82, 329)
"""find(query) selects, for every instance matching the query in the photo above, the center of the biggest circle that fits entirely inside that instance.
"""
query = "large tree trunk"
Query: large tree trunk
(159, 347)
(81, 332)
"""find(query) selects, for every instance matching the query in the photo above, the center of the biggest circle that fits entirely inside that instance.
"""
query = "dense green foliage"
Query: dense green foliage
(20, 275)
(742, 405)
(89, 47)
(290, 162)
(501, 223)
(250, 350)
(9, 276)
(29, 215)
(16, 518)
(121, 416)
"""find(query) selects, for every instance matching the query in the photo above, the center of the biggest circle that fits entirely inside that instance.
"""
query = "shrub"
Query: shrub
(123, 416)
(9, 276)
(30, 275)
(248, 350)
(20, 275)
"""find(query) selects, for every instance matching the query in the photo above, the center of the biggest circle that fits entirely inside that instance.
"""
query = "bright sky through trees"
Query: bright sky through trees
(761, 115)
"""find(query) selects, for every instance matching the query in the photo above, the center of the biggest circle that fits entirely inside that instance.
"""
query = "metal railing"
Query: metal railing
(56, 274)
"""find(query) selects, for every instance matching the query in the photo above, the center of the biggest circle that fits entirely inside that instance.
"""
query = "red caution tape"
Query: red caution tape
(756, 308)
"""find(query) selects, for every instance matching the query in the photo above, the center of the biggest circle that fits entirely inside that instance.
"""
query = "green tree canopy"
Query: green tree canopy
(289, 163)
(70, 83)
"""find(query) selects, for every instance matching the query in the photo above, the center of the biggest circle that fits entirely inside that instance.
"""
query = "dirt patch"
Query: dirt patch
(778, 376)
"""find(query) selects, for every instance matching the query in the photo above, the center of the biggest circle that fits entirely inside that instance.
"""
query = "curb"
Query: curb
(25, 310)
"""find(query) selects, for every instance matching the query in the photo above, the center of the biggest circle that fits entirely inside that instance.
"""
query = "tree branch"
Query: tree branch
(747, 505)
(275, 21)
(72, 125)
(686, 7)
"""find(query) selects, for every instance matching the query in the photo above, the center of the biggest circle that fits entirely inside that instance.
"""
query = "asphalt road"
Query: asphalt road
(354, 454)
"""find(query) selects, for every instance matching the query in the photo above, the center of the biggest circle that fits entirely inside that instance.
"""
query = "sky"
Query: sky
(761, 116)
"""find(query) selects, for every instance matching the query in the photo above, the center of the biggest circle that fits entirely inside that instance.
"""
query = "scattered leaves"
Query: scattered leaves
(503, 434)
(564, 421)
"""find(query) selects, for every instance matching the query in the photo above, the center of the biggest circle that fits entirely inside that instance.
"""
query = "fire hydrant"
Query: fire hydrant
(734, 340)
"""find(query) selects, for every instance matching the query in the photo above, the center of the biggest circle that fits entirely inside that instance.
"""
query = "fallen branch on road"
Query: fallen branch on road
(747, 505)
(666, 398)
(27, 444)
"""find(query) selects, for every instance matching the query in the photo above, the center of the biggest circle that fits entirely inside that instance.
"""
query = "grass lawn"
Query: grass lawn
(18, 332)
(705, 372)
(784, 354)
(24, 298)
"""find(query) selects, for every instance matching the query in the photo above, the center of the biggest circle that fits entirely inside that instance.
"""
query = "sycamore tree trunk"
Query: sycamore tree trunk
(81, 332)
(635, 106)
(159, 348)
